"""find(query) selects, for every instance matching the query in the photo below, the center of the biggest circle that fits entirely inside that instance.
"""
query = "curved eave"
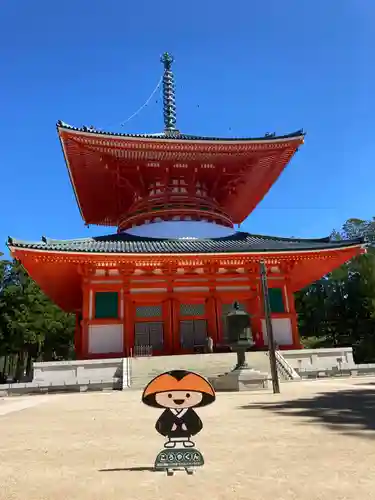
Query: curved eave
(178, 137)
(177, 255)
(67, 164)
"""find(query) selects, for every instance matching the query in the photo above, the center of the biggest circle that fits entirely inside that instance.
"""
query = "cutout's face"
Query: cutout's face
(178, 399)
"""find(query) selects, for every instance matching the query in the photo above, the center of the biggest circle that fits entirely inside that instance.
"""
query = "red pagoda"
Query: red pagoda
(169, 275)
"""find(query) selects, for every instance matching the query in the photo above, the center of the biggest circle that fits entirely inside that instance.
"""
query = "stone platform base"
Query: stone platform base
(30, 388)
(73, 376)
(85, 372)
(244, 379)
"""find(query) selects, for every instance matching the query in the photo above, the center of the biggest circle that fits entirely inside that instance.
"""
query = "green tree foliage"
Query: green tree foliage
(339, 309)
(31, 326)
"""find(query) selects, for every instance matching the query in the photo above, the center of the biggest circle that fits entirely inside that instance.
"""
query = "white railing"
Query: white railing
(141, 351)
(138, 351)
(289, 372)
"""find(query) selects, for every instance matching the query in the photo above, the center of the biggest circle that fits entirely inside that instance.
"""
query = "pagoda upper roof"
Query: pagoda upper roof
(108, 169)
(240, 242)
(178, 136)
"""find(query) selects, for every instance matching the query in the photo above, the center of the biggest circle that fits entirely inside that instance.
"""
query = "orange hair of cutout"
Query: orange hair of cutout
(191, 382)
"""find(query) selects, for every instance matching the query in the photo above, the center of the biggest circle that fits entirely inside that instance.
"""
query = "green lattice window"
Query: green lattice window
(148, 311)
(192, 309)
(276, 300)
(106, 305)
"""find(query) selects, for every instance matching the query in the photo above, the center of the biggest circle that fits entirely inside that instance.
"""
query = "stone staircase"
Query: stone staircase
(143, 369)
(133, 373)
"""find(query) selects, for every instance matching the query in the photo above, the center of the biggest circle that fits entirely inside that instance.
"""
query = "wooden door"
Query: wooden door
(149, 329)
(190, 328)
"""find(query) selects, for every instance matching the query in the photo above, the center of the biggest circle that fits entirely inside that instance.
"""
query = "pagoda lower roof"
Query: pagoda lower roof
(240, 242)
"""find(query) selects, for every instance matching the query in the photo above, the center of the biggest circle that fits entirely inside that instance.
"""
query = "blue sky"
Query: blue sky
(242, 68)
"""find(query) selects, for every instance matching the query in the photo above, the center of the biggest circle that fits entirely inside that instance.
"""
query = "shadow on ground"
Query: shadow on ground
(131, 469)
(348, 411)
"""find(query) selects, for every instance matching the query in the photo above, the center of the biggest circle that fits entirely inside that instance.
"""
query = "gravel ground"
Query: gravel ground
(314, 441)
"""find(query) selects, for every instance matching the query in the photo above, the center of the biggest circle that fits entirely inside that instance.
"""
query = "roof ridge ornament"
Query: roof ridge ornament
(169, 98)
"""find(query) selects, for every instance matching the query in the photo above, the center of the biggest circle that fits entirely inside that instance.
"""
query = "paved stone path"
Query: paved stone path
(315, 441)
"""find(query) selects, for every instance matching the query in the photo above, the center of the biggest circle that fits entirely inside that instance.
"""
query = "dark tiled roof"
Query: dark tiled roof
(128, 244)
(177, 135)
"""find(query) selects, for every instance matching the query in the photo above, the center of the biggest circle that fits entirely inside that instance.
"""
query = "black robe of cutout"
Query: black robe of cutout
(191, 420)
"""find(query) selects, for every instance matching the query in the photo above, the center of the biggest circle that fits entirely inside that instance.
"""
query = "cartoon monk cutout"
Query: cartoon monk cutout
(178, 392)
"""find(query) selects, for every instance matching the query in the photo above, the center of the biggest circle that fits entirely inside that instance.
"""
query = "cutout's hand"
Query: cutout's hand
(184, 428)
(174, 427)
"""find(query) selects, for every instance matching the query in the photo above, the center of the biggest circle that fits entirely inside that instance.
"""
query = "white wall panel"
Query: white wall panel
(282, 331)
(105, 338)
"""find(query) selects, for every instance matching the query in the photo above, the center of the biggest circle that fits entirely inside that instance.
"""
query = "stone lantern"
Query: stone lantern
(242, 377)
(239, 334)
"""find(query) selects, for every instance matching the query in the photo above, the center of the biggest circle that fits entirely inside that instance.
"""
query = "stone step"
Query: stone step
(142, 370)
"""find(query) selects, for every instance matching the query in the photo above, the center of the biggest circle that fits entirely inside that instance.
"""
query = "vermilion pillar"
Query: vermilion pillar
(255, 310)
(168, 326)
(86, 317)
(128, 325)
(211, 319)
(78, 336)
